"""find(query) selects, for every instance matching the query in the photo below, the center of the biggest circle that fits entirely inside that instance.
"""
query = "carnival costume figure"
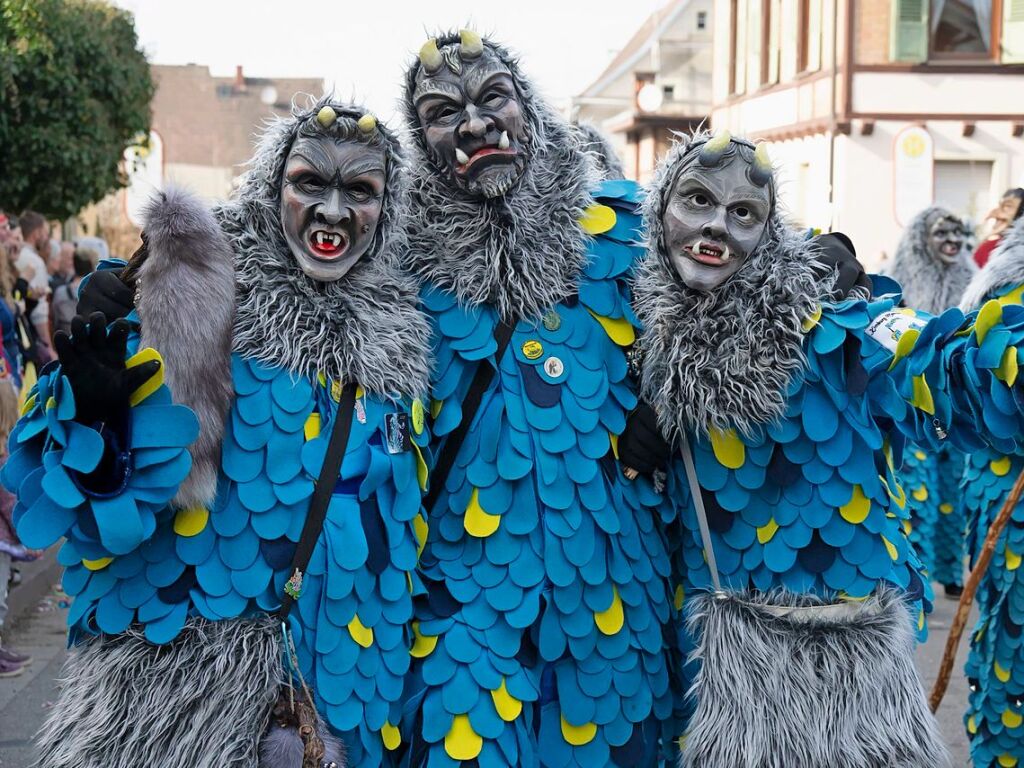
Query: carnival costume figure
(792, 411)
(541, 638)
(995, 667)
(181, 477)
(933, 267)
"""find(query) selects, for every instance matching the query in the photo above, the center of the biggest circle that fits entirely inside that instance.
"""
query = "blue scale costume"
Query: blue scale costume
(135, 560)
(995, 666)
(541, 641)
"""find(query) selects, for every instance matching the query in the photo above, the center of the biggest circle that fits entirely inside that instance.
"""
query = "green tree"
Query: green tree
(74, 93)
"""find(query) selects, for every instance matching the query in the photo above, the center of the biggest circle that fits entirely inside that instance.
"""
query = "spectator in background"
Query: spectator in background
(1010, 208)
(12, 663)
(65, 297)
(5, 230)
(61, 266)
(11, 360)
(31, 266)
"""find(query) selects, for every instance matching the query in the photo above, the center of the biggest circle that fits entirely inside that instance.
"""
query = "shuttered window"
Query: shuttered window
(909, 38)
(1013, 31)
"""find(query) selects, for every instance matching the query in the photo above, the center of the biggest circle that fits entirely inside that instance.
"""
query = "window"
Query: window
(774, 15)
(668, 92)
(738, 60)
(702, 19)
(961, 28)
(809, 44)
(964, 187)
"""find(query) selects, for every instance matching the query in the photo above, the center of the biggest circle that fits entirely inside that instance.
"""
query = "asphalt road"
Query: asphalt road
(25, 699)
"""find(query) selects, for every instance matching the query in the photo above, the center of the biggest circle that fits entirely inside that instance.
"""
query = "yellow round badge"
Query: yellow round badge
(532, 349)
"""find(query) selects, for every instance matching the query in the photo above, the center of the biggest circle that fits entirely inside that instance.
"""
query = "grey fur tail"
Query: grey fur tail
(201, 701)
(775, 692)
(187, 306)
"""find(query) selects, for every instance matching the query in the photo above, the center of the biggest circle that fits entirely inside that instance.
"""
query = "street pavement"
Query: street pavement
(24, 700)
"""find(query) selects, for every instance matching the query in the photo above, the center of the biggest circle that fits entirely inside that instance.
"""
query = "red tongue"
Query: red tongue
(326, 249)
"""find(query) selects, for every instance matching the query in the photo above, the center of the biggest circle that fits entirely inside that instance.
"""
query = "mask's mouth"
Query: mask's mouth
(328, 244)
(949, 248)
(484, 156)
(711, 253)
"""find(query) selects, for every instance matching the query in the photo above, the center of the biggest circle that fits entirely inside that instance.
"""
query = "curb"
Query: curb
(37, 581)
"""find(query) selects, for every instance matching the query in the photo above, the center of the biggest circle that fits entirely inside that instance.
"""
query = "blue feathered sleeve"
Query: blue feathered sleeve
(51, 456)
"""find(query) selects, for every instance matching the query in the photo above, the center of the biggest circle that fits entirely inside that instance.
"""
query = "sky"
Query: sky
(360, 47)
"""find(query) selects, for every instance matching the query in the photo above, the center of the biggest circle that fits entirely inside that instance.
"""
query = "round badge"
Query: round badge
(532, 349)
(553, 367)
(552, 321)
(417, 416)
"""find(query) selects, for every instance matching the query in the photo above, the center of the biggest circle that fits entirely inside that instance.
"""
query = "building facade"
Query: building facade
(876, 108)
(658, 83)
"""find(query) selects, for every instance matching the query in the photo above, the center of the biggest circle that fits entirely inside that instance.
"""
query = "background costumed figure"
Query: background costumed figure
(995, 666)
(797, 409)
(933, 267)
(541, 638)
(177, 549)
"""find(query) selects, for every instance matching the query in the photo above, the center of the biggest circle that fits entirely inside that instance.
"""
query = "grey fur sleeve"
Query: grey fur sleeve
(186, 303)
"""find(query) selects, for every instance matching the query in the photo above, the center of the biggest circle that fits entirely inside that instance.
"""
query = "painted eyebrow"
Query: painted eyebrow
(438, 89)
(476, 82)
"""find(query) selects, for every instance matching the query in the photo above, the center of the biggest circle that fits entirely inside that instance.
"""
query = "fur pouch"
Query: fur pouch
(297, 737)
(786, 680)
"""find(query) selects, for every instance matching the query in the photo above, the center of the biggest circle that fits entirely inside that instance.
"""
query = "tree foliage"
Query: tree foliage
(74, 93)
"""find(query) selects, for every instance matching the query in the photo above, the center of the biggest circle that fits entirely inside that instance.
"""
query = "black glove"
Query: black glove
(105, 292)
(641, 445)
(93, 360)
(836, 253)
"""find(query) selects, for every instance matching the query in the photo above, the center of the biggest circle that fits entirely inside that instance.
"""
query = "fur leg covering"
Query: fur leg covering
(187, 307)
(783, 691)
(200, 701)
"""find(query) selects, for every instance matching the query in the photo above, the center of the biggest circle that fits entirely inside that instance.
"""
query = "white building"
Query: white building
(658, 83)
(876, 108)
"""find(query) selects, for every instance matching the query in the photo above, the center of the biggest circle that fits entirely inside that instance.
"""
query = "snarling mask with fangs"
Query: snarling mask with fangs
(715, 211)
(945, 237)
(469, 112)
(332, 191)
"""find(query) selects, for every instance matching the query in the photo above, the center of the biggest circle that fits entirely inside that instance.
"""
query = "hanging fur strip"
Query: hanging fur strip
(200, 701)
(929, 284)
(723, 358)
(521, 252)
(364, 327)
(794, 690)
(1005, 268)
(187, 307)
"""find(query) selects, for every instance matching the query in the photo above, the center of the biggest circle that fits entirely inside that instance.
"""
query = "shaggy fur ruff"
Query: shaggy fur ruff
(202, 700)
(775, 692)
(521, 252)
(189, 274)
(364, 327)
(929, 284)
(600, 148)
(1006, 267)
(723, 358)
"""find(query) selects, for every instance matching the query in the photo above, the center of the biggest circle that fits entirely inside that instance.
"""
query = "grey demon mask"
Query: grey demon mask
(715, 206)
(333, 189)
(466, 102)
(945, 236)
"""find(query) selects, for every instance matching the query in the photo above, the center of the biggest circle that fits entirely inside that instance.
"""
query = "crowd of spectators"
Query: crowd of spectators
(39, 279)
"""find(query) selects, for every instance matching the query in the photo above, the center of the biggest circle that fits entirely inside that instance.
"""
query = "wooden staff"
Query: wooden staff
(970, 588)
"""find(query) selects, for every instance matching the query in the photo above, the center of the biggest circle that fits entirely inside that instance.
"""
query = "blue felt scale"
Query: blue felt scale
(541, 640)
(132, 559)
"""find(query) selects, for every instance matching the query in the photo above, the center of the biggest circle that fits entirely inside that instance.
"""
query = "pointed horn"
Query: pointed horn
(430, 56)
(367, 123)
(761, 170)
(471, 45)
(326, 116)
(713, 149)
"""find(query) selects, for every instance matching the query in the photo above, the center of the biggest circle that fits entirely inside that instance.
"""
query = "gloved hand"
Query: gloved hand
(642, 448)
(105, 292)
(93, 359)
(836, 253)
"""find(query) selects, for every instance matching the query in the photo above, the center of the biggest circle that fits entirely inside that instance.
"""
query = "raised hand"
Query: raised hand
(105, 292)
(836, 252)
(93, 359)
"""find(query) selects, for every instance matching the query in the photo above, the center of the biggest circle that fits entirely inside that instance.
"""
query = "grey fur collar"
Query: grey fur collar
(927, 283)
(189, 275)
(1006, 267)
(723, 359)
(365, 327)
(521, 252)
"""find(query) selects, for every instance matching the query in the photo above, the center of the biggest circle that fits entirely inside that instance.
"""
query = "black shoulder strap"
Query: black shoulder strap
(322, 492)
(470, 405)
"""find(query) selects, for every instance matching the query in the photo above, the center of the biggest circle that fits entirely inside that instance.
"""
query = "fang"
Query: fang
(461, 156)
(503, 142)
